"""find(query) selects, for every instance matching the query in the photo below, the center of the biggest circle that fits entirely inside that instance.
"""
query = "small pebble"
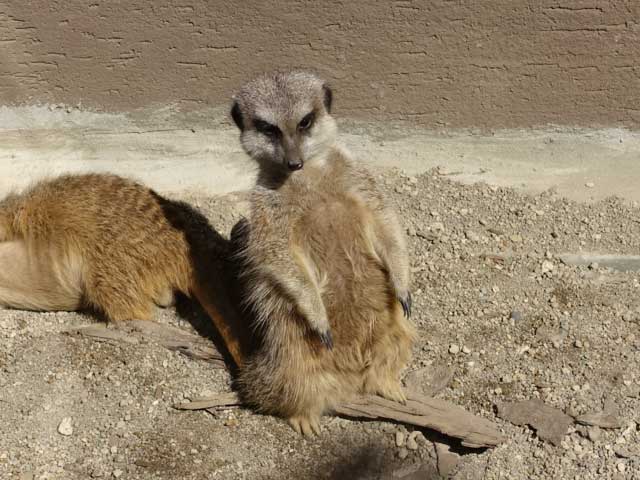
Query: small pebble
(623, 452)
(412, 444)
(400, 439)
(516, 315)
(403, 453)
(589, 184)
(594, 433)
(472, 236)
(65, 428)
(231, 422)
(454, 349)
(466, 350)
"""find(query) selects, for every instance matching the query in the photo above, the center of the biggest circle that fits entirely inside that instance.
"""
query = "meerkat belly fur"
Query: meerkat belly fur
(325, 260)
(95, 240)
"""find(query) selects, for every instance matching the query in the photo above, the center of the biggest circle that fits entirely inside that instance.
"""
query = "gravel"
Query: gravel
(487, 280)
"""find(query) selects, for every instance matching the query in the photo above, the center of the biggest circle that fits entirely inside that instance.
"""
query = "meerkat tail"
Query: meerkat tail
(223, 325)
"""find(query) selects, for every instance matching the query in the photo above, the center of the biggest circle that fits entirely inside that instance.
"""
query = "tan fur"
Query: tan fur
(324, 257)
(97, 241)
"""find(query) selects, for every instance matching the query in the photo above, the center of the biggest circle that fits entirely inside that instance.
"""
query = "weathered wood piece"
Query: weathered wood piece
(550, 423)
(141, 331)
(420, 411)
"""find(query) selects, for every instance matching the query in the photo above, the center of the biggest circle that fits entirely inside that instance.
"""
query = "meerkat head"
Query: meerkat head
(284, 119)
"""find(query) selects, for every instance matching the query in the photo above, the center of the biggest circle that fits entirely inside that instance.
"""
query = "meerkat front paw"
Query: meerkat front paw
(326, 339)
(321, 327)
(406, 301)
(400, 287)
(305, 425)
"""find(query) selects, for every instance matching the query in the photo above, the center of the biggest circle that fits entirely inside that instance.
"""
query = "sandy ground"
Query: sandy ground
(493, 304)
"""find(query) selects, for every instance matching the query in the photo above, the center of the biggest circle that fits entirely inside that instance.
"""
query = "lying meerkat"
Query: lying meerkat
(325, 260)
(102, 241)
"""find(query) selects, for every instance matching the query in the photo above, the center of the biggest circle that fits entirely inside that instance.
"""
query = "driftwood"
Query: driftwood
(420, 410)
(140, 331)
(600, 419)
(550, 423)
(221, 400)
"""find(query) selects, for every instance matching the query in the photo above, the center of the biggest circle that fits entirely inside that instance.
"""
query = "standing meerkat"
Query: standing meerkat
(324, 257)
(106, 242)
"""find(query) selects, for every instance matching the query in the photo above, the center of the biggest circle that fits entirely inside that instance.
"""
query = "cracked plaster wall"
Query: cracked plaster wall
(441, 63)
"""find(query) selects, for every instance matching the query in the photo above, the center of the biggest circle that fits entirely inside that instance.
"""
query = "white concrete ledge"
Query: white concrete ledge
(622, 263)
(200, 153)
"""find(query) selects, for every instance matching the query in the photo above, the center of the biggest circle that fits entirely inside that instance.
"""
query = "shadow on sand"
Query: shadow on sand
(213, 261)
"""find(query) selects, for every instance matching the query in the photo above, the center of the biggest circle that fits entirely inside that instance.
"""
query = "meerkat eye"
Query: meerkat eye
(307, 121)
(266, 128)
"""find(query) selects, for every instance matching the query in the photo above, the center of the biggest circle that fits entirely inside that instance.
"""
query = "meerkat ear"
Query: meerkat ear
(236, 114)
(328, 97)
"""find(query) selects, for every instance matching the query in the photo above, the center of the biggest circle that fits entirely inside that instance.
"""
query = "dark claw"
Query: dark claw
(327, 340)
(406, 303)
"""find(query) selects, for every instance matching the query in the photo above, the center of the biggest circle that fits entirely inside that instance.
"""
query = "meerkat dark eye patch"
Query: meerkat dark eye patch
(328, 97)
(266, 128)
(307, 121)
(236, 114)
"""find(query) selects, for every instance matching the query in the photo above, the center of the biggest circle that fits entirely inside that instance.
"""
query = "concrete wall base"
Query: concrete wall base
(199, 153)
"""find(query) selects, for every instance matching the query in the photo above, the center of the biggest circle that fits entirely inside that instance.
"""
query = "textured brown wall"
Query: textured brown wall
(489, 63)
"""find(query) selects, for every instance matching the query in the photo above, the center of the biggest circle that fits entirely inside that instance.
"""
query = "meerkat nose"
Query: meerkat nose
(294, 165)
